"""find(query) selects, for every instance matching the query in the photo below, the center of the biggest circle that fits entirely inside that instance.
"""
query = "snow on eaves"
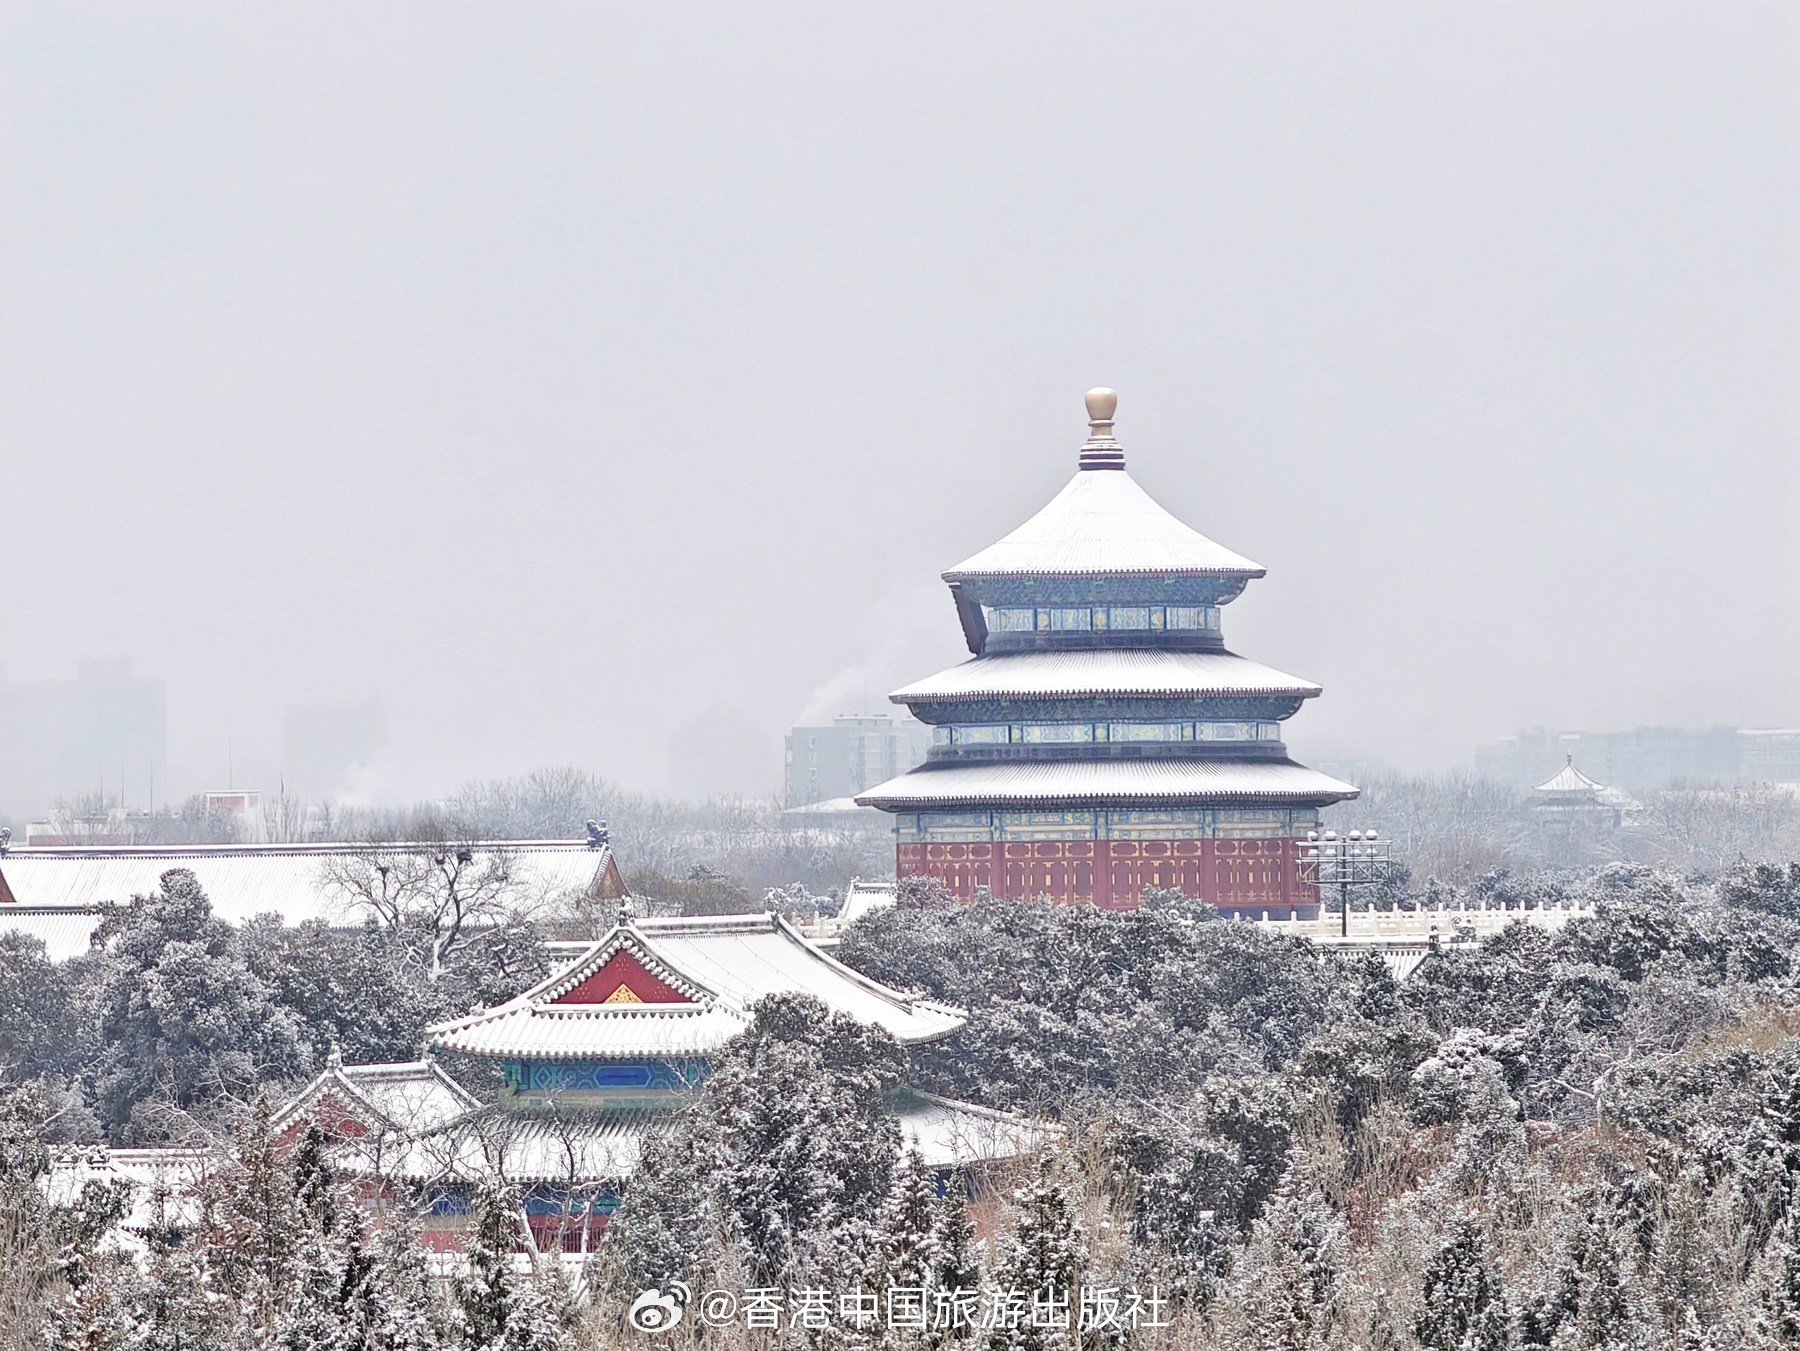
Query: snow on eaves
(1100, 782)
(1103, 672)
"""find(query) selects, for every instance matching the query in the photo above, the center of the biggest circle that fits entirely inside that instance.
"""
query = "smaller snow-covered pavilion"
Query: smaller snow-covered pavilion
(1570, 793)
(634, 1017)
(596, 1056)
(1577, 817)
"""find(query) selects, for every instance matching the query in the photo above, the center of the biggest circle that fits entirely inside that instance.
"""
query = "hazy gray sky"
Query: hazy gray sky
(567, 375)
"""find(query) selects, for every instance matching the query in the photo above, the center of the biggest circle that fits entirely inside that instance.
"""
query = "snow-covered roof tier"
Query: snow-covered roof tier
(585, 1146)
(680, 988)
(1106, 782)
(864, 898)
(412, 1096)
(948, 1133)
(289, 880)
(1103, 673)
(163, 1184)
(1102, 524)
(66, 931)
(1569, 781)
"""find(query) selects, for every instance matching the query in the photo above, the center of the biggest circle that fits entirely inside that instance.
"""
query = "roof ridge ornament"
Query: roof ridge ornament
(1102, 450)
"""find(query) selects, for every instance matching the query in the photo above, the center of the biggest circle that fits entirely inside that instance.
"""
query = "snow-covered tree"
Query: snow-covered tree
(956, 1254)
(180, 1013)
(807, 1147)
(1289, 1285)
(1462, 1307)
(1044, 1257)
(905, 1230)
(496, 1307)
(671, 1222)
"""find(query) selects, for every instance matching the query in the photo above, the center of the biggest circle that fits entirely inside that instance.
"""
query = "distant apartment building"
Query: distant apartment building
(1646, 759)
(854, 753)
(102, 732)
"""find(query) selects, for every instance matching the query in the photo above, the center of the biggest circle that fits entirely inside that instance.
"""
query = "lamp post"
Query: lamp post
(1359, 859)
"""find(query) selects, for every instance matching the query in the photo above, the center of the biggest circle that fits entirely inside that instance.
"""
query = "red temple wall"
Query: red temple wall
(1246, 875)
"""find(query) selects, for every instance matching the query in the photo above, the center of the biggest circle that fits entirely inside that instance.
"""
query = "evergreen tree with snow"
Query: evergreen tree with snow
(181, 1016)
(1462, 1308)
(254, 1226)
(785, 1159)
(956, 1255)
(183, 1306)
(905, 1230)
(1290, 1280)
(101, 1313)
(1780, 1277)
(1045, 1256)
(404, 1312)
(496, 1307)
(670, 1222)
(484, 1291)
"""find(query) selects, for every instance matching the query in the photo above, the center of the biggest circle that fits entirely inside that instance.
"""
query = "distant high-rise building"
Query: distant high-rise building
(1769, 754)
(103, 732)
(855, 752)
(1646, 759)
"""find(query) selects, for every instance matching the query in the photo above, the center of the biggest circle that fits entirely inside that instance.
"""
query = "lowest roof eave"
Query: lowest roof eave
(1249, 572)
(889, 802)
(1092, 782)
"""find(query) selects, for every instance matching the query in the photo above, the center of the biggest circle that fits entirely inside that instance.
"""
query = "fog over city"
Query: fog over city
(609, 387)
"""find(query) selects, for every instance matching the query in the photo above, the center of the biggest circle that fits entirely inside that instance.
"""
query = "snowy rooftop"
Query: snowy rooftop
(1099, 672)
(680, 987)
(589, 1146)
(66, 931)
(162, 1183)
(1171, 779)
(864, 898)
(243, 881)
(1569, 781)
(1103, 524)
(409, 1096)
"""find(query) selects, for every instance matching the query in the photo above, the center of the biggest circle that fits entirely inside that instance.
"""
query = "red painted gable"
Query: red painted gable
(331, 1115)
(623, 969)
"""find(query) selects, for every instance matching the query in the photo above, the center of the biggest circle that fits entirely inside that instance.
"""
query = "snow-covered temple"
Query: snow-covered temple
(594, 1058)
(1102, 739)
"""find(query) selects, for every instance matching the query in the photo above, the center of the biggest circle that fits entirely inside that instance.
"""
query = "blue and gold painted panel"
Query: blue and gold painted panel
(596, 1076)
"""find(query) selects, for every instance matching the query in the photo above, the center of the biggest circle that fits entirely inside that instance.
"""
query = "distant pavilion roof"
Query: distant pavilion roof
(1569, 781)
(680, 988)
(1083, 673)
(1024, 783)
(1569, 787)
